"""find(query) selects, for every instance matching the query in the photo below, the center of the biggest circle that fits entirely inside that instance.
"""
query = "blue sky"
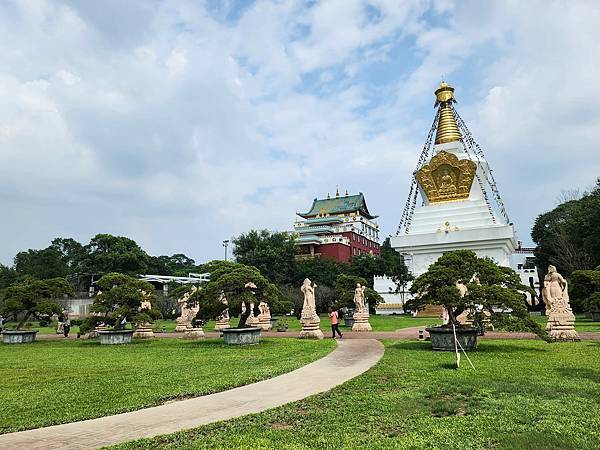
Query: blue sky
(181, 124)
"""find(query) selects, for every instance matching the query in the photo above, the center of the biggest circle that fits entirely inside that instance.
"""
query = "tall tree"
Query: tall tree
(41, 264)
(107, 253)
(273, 254)
(569, 236)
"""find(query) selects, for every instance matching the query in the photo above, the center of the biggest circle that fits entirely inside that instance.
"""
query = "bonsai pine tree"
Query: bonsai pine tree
(233, 279)
(118, 301)
(34, 298)
(498, 289)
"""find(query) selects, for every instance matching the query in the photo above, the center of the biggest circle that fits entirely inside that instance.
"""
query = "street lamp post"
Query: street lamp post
(225, 244)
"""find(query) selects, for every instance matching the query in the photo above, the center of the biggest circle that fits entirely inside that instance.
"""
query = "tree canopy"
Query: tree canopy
(569, 236)
(499, 290)
(118, 301)
(233, 280)
(34, 298)
(274, 254)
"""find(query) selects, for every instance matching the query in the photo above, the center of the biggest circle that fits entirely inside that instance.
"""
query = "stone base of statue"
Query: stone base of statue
(143, 331)
(193, 333)
(264, 322)
(311, 326)
(561, 326)
(222, 324)
(181, 325)
(252, 321)
(361, 322)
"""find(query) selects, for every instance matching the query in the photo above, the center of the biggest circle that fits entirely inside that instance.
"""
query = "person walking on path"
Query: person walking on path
(335, 323)
(66, 327)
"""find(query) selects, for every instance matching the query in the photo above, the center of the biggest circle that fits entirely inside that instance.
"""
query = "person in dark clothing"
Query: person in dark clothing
(335, 323)
(66, 327)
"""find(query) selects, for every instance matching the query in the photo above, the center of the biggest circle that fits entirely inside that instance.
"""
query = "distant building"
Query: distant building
(338, 228)
(523, 262)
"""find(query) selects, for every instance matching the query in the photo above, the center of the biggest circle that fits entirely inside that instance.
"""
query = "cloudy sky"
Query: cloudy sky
(181, 124)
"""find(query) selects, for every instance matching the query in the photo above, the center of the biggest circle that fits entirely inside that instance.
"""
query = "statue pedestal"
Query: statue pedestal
(181, 325)
(561, 326)
(264, 322)
(311, 326)
(252, 321)
(222, 324)
(361, 322)
(143, 331)
(193, 333)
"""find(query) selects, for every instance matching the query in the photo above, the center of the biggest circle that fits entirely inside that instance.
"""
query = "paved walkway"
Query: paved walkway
(348, 360)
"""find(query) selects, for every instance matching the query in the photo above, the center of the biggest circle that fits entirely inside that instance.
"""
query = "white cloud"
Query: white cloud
(180, 126)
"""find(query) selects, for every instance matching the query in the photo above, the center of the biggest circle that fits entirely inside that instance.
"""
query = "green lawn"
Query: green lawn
(522, 395)
(50, 382)
(379, 323)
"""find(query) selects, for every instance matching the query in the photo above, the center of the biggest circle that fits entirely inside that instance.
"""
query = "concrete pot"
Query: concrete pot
(349, 322)
(18, 336)
(241, 336)
(115, 337)
(442, 338)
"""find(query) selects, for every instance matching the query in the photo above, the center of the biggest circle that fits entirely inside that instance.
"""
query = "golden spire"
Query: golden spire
(337, 191)
(447, 129)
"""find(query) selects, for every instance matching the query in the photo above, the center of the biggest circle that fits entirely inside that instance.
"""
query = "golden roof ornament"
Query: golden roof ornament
(337, 192)
(446, 178)
(447, 129)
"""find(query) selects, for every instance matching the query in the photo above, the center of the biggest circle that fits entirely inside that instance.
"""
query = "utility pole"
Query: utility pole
(225, 244)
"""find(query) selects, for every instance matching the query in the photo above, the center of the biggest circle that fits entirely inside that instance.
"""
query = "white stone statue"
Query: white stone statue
(359, 298)
(309, 318)
(361, 314)
(145, 304)
(561, 320)
(308, 289)
(252, 320)
(264, 318)
(184, 321)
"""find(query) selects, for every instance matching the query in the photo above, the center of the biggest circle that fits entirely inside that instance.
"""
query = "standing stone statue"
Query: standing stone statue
(143, 330)
(223, 320)
(188, 314)
(264, 318)
(361, 313)
(309, 318)
(561, 320)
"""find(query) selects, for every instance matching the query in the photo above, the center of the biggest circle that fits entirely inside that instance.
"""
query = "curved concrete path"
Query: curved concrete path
(348, 360)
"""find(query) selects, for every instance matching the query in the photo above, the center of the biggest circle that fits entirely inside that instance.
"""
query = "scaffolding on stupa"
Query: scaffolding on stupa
(487, 183)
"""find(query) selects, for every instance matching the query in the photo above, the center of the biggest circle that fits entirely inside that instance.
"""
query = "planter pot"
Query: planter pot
(18, 336)
(115, 337)
(442, 338)
(348, 321)
(241, 336)
(595, 316)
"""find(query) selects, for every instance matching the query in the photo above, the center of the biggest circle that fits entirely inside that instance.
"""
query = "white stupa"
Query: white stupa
(455, 184)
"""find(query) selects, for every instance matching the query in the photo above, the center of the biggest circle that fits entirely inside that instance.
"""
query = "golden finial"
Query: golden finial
(328, 196)
(347, 193)
(447, 129)
(337, 191)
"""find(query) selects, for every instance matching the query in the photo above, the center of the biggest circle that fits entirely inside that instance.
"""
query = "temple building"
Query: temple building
(337, 228)
(460, 205)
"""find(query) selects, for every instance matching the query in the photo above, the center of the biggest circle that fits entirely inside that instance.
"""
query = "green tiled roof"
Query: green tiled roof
(323, 220)
(338, 205)
(312, 230)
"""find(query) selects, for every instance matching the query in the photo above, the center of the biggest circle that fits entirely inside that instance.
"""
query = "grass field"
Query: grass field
(522, 395)
(50, 382)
